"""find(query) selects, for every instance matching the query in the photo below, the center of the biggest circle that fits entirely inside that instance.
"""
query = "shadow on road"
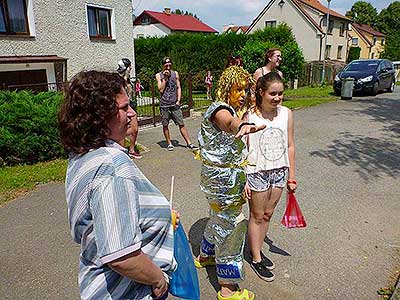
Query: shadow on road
(373, 156)
(275, 249)
(386, 111)
(163, 144)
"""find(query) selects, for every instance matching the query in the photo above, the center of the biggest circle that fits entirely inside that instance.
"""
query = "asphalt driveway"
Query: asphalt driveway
(348, 163)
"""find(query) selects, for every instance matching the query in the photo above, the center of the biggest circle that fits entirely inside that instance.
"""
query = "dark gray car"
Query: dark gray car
(370, 76)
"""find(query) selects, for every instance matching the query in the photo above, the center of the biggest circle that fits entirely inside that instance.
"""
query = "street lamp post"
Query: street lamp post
(326, 42)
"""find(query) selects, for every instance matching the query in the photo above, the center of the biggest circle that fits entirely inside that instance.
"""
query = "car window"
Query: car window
(366, 66)
(389, 65)
(381, 66)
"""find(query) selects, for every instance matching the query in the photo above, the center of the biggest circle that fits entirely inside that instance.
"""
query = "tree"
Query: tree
(388, 23)
(363, 13)
(354, 53)
(388, 20)
(186, 13)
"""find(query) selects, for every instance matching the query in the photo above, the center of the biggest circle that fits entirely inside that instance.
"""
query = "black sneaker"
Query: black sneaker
(262, 271)
(267, 262)
(192, 147)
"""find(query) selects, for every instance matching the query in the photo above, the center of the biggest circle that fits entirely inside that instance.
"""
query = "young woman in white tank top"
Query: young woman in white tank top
(271, 165)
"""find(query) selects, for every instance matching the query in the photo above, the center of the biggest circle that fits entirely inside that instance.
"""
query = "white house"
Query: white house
(50, 41)
(152, 24)
(308, 20)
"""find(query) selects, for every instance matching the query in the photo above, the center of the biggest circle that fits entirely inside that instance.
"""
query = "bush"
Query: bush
(354, 53)
(197, 53)
(28, 127)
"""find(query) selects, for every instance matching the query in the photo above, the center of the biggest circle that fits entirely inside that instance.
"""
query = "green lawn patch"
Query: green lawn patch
(17, 180)
(310, 92)
(306, 102)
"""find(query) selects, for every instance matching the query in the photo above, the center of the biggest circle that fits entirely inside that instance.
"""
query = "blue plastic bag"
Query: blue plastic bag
(184, 282)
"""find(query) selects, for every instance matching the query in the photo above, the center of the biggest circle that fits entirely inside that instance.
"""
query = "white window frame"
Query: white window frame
(273, 22)
(328, 53)
(340, 52)
(354, 41)
(112, 19)
(31, 18)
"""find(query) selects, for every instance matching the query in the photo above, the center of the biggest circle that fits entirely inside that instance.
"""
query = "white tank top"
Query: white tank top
(268, 148)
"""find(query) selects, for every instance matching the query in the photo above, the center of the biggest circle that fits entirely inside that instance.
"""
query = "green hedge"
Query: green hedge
(28, 127)
(197, 53)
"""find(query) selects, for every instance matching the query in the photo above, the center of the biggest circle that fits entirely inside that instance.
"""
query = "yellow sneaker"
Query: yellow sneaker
(209, 261)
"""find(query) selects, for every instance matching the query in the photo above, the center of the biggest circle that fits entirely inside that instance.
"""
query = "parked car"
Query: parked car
(370, 76)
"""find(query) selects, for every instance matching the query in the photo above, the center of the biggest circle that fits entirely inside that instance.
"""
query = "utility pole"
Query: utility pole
(326, 42)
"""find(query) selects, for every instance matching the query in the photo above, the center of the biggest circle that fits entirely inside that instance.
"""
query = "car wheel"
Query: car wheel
(391, 88)
(375, 88)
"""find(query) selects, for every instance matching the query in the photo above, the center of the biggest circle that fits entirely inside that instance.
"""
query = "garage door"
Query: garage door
(35, 80)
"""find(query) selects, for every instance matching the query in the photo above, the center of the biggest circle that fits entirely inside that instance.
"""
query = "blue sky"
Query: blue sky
(217, 13)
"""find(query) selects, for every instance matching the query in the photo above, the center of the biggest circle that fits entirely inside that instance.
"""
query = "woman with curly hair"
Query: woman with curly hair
(118, 217)
(222, 153)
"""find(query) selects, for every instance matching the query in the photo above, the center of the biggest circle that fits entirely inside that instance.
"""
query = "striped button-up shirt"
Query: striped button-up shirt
(114, 210)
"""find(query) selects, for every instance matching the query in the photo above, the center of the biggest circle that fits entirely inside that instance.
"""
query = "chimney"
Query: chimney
(167, 10)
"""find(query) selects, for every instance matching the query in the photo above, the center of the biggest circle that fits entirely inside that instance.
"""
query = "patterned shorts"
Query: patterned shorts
(264, 180)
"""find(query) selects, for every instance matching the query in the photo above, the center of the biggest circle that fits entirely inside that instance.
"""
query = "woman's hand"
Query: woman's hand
(160, 289)
(175, 216)
(248, 128)
(247, 191)
(291, 186)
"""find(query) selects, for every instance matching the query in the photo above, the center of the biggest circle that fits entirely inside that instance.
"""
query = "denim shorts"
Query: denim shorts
(264, 180)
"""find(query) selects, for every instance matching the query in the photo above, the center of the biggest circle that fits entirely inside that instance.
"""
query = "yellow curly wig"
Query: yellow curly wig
(231, 76)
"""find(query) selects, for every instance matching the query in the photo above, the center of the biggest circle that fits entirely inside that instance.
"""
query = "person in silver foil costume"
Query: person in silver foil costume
(223, 154)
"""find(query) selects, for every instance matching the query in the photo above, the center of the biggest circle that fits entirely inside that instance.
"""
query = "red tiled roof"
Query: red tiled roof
(367, 29)
(176, 22)
(236, 28)
(321, 8)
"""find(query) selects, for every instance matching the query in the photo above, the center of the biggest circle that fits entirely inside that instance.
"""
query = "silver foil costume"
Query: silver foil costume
(222, 181)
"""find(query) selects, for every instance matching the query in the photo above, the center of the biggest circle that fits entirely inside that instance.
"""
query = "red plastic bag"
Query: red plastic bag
(293, 218)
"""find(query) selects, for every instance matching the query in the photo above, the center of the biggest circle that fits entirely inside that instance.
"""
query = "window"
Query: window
(99, 22)
(330, 27)
(328, 51)
(339, 52)
(140, 36)
(354, 41)
(341, 29)
(374, 41)
(270, 23)
(145, 20)
(13, 17)
(372, 55)
(382, 42)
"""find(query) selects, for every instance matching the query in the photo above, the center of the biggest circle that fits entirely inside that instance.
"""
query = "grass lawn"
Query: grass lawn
(17, 180)
(310, 92)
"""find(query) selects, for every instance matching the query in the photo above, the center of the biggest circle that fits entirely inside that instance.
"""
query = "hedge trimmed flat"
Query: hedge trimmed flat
(238, 295)
(209, 261)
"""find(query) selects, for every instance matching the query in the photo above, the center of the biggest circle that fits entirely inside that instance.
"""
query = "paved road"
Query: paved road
(348, 172)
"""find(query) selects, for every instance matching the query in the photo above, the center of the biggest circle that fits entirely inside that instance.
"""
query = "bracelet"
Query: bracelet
(292, 181)
(243, 124)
